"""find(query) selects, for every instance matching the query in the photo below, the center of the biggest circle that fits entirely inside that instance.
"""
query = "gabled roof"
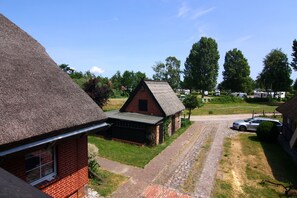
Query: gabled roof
(163, 94)
(37, 98)
(289, 108)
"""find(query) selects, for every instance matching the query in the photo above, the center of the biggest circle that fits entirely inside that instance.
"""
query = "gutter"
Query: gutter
(100, 127)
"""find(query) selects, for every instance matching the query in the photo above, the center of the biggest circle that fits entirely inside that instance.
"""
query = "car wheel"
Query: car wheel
(242, 128)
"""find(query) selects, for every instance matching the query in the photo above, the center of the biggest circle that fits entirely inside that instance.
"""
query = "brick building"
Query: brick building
(45, 119)
(142, 119)
(289, 112)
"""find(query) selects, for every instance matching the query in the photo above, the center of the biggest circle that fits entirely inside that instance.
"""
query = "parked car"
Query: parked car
(251, 124)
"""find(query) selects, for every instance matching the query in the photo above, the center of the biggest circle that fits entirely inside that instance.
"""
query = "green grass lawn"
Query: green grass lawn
(234, 108)
(246, 162)
(107, 183)
(131, 154)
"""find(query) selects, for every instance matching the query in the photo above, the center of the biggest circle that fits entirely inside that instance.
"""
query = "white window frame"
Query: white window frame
(50, 176)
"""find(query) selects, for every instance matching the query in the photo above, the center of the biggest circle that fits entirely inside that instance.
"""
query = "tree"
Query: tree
(99, 94)
(66, 68)
(201, 66)
(191, 102)
(169, 72)
(116, 80)
(276, 72)
(236, 74)
(294, 55)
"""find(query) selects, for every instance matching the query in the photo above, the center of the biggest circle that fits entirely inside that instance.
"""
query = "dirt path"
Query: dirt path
(166, 173)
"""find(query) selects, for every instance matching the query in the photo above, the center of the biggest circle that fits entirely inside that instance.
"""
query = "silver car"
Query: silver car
(251, 124)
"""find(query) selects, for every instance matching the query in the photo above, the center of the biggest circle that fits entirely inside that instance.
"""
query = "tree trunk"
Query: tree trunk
(189, 116)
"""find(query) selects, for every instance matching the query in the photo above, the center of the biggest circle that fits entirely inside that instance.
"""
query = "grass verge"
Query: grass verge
(234, 108)
(131, 154)
(246, 162)
(108, 184)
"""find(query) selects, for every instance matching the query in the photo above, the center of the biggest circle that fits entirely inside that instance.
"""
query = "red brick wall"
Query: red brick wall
(152, 106)
(72, 168)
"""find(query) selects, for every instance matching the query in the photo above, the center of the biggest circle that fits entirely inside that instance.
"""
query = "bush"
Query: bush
(256, 100)
(226, 99)
(185, 122)
(267, 131)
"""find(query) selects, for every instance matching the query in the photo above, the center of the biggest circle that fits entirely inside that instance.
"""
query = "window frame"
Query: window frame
(48, 177)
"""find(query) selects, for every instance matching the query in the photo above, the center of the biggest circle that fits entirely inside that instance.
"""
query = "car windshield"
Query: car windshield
(247, 120)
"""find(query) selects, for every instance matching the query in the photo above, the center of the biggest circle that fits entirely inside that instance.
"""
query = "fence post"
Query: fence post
(253, 113)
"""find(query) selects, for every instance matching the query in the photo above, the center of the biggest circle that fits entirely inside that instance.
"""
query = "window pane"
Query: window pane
(33, 175)
(47, 169)
(32, 162)
(46, 157)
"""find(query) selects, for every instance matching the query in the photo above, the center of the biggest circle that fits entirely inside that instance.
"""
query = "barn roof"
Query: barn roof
(36, 96)
(134, 117)
(163, 94)
(289, 108)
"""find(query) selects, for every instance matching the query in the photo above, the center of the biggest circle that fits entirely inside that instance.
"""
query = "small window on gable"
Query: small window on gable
(142, 105)
(40, 165)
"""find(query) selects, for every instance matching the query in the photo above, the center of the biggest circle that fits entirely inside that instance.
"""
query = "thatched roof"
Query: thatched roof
(37, 97)
(163, 94)
(289, 108)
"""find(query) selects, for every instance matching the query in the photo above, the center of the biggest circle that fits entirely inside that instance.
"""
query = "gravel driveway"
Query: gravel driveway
(166, 173)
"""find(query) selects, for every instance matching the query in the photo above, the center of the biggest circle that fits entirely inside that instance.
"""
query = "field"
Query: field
(234, 108)
(247, 162)
(208, 108)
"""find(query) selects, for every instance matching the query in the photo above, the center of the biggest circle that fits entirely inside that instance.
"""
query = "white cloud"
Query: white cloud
(96, 70)
(199, 13)
(182, 12)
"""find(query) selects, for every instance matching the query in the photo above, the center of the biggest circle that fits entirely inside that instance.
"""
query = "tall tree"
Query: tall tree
(276, 73)
(236, 74)
(294, 55)
(169, 72)
(116, 80)
(201, 66)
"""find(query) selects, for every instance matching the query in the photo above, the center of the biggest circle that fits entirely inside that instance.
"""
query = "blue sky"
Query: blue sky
(135, 34)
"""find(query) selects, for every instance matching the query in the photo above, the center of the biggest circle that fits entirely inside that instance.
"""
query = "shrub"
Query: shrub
(226, 99)
(267, 131)
(92, 162)
(256, 100)
(185, 122)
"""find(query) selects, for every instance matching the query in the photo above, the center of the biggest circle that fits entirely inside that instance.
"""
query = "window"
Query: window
(142, 105)
(40, 166)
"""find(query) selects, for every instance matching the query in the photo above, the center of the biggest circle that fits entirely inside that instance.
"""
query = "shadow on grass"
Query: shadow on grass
(282, 165)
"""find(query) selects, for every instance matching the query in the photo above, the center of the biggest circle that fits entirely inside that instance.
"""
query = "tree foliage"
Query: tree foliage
(98, 92)
(236, 74)
(201, 66)
(126, 82)
(191, 102)
(169, 72)
(276, 72)
(294, 55)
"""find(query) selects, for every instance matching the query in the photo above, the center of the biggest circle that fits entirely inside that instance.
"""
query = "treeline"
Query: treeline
(201, 72)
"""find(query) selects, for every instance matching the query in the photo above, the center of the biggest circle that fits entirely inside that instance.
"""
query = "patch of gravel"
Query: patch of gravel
(206, 181)
(182, 171)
